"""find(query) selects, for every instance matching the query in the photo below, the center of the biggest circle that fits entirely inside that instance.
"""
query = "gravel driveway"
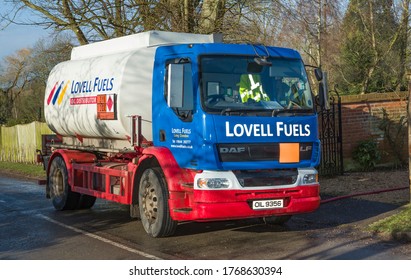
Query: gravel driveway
(369, 182)
(351, 216)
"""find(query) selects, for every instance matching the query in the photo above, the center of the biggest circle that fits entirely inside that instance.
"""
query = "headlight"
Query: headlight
(213, 183)
(310, 179)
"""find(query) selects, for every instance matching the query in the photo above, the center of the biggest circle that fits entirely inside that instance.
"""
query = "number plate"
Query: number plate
(268, 204)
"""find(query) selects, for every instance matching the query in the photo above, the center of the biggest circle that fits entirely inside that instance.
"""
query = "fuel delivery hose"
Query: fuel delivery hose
(361, 194)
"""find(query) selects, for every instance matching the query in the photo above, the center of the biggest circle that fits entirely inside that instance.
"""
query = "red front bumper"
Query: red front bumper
(211, 205)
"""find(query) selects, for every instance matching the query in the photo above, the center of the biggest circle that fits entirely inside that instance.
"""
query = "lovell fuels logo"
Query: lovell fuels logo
(57, 93)
(96, 85)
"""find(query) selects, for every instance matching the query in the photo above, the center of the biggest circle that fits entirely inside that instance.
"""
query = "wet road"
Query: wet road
(30, 228)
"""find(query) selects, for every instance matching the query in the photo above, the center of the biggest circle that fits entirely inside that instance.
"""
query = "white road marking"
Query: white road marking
(105, 240)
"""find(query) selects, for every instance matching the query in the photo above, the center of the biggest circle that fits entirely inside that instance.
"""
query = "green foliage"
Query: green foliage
(4, 112)
(371, 48)
(367, 155)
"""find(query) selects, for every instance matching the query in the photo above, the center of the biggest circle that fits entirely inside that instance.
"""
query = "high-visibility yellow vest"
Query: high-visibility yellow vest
(252, 88)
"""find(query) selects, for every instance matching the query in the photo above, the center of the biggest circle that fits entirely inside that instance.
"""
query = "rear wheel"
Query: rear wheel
(276, 220)
(60, 192)
(86, 201)
(153, 204)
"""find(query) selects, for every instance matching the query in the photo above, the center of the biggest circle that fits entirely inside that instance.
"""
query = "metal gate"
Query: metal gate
(330, 129)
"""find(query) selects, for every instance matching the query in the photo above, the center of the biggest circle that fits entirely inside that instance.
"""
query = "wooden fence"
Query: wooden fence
(19, 143)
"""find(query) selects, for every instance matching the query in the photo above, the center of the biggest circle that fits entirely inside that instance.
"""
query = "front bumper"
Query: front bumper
(237, 204)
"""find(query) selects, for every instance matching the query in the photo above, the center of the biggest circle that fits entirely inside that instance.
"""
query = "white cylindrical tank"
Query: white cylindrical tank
(75, 89)
(93, 94)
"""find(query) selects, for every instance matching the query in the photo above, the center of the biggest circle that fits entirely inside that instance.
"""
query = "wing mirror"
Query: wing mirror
(318, 74)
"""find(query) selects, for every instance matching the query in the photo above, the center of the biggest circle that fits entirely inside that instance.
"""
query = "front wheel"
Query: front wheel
(153, 204)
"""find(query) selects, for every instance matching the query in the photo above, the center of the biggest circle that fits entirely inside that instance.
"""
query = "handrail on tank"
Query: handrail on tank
(135, 127)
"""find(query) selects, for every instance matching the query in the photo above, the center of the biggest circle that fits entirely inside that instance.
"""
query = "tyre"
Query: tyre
(276, 220)
(60, 192)
(153, 204)
(86, 201)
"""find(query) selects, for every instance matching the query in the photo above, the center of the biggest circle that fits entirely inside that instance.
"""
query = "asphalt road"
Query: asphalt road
(31, 229)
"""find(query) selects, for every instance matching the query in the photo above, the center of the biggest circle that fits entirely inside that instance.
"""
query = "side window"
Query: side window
(179, 88)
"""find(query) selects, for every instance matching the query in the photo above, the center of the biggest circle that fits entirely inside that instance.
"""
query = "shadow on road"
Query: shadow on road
(342, 212)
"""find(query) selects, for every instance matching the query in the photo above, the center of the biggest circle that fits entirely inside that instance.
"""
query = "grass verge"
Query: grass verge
(397, 223)
(27, 170)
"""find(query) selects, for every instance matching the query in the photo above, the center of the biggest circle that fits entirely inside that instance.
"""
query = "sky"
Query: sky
(15, 37)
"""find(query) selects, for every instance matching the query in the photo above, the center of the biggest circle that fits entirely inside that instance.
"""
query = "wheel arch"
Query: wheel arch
(145, 162)
(68, 157)
(163, 158)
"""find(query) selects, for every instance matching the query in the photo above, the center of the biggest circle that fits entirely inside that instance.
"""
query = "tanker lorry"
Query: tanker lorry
(182, 127)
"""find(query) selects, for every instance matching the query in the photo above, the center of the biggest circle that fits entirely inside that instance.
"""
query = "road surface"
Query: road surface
(32, 229)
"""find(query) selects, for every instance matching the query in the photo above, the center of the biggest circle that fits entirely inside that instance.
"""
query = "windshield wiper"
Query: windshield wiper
(294, 111)
(228, 111)
(243, 111)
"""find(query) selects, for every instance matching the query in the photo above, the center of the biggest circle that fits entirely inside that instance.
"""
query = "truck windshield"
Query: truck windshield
(245, 84)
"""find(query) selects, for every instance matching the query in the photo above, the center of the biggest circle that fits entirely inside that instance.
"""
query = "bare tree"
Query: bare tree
(88, 20)
(23, 79)
(312, 25)
(14, 80)
(91, 20)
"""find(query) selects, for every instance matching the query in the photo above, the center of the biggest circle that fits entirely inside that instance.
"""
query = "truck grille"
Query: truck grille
(267, 178)
(258, 152)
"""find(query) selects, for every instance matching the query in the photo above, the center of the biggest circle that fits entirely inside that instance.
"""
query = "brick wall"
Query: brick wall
(362, 116)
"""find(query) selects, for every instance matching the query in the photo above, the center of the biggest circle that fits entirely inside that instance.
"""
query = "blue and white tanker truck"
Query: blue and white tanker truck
(183, 127)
